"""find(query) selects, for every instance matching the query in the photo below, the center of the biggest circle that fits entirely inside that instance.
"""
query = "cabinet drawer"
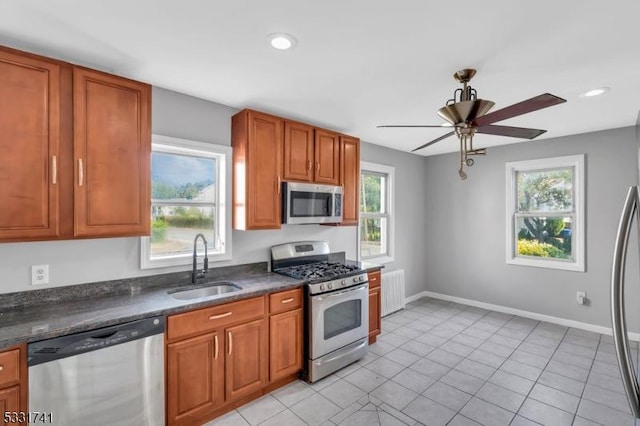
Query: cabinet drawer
(285, 300)
(208, 319)
(9, 367)
(374, 279)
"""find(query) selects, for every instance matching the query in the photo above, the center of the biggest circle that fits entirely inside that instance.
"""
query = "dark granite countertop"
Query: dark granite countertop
(43, 314)
(368, 266)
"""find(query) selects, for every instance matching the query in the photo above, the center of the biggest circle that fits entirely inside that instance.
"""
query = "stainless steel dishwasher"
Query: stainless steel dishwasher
(110, 376)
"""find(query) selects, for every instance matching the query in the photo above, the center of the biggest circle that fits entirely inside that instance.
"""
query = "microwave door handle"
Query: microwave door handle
(620, 337)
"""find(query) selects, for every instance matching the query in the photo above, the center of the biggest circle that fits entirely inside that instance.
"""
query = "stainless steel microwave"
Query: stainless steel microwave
(304, 203)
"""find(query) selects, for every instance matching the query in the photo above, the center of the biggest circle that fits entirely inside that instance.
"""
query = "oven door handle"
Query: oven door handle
(341, 293)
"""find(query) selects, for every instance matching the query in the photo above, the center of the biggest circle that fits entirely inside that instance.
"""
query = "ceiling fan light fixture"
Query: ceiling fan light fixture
(595, 92)
(282, 41)
(465, 111)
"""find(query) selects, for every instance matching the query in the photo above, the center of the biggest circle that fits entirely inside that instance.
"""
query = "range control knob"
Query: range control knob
(360, 278)
(330, 286)
(343, 282)
(322, 287)
(355, 279)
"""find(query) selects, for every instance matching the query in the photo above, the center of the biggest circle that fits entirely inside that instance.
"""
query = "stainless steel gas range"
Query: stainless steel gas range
(336, 304)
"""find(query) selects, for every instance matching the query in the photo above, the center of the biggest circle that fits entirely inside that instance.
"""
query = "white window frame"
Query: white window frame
(578, 227)
(222, 203)
(389, 235)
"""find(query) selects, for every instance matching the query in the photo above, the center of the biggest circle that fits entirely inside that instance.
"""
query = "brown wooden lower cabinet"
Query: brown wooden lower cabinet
(286, 334)
(9, 402)
(246, 359)
(13, 384)
(195, 378)
(375, 305)
(230, 361)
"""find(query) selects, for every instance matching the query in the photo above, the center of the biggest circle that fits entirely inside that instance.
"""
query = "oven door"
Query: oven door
(338, 319)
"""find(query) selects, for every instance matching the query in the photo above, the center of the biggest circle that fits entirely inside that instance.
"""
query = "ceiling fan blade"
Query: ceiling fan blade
(412, 125)
(514, 132)
(539, 102)
(433, 141)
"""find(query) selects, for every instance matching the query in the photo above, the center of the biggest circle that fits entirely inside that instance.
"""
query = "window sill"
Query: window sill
(381, 260)
(547, 264)
(182, 260)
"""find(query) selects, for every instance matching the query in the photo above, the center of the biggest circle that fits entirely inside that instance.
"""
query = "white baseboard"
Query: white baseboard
(507, 310)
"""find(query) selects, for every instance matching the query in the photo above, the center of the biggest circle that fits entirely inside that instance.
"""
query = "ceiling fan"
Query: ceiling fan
(468, 115)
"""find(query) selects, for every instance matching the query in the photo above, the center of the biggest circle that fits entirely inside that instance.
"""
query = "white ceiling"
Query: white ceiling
(358, 63)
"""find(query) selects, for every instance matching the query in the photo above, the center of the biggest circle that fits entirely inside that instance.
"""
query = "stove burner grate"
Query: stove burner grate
(318, 270)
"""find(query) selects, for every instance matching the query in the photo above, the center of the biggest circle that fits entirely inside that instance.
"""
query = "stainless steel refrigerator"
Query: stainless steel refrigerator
(630, 211)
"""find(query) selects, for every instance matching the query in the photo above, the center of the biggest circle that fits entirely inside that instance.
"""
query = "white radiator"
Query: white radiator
(392, 291)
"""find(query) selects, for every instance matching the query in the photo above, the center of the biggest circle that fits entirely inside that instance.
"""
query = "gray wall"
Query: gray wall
(466, 229)
(85, 261)
(410, 204)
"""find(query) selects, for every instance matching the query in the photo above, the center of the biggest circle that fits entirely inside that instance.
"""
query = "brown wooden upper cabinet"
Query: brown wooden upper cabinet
(311, 154)
(29, 146)
(256, 139)
(298, 152)
(350, 155)
(112, 150)
(75, 148)
(327, 157)
(269, 149)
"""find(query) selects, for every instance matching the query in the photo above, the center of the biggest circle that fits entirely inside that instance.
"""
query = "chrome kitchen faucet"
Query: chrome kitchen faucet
(194, 274)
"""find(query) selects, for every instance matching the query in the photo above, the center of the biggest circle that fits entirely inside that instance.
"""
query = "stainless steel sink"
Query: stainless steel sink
(204, 290)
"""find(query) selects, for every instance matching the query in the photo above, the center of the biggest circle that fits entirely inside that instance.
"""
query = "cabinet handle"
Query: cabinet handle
(308, 164)
(215, 345)
(54, 170)
(317, 166)
(230, 342)
(226, 314)
(278, 183)
(1, 367)
(80, 172)
(289, 300)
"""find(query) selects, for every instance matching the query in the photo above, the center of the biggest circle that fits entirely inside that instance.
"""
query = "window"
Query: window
(189, 184)
(545, 213)
(376, 208)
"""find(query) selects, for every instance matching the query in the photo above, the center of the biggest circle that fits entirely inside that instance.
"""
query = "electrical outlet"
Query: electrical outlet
(39, 274)
(581, 297)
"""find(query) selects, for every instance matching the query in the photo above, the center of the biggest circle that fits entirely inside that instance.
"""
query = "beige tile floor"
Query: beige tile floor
(442, 363)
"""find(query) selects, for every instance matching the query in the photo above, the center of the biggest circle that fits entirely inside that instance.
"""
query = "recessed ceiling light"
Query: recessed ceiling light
(282, 41)
(595, 92)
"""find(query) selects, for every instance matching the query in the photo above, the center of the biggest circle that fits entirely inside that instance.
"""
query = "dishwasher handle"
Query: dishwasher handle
(92, 340)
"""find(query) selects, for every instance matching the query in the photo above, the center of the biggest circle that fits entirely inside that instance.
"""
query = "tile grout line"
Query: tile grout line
(453, 317)
(498, 368)
(542, 370)
(488, 312)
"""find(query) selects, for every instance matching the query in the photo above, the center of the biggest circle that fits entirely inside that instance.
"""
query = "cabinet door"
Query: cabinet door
(10, 403)
(245, 359)
(327, 157)
(112, 150)
(29, 141)
(285, 343)
(195, 377)
(375, 309)
(298, 152)
(257, 157)
(350, 155)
